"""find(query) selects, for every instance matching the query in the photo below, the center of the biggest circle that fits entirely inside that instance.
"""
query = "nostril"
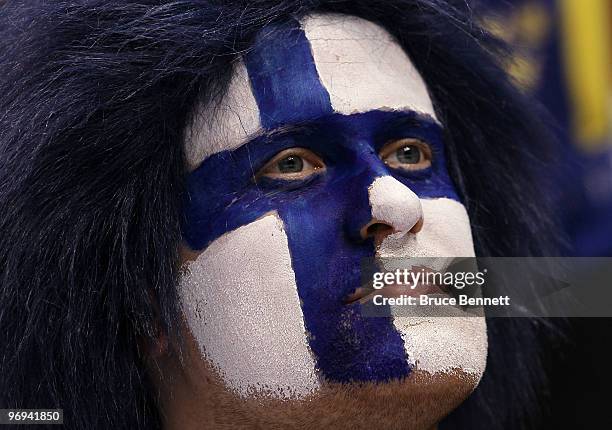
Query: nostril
(378, 229)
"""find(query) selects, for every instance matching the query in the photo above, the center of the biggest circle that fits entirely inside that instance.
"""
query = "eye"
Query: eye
(292, 164)
(407, 154)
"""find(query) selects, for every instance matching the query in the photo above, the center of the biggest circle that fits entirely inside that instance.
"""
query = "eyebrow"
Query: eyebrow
(404, 117)
(414, 118)
(281, 131)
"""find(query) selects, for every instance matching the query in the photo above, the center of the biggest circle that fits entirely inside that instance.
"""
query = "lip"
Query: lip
(365, 294)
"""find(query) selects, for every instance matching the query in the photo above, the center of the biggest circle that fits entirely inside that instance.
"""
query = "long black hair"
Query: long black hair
(94, 99)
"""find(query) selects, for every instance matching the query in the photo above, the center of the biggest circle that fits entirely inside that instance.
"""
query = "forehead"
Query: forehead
(300, 71)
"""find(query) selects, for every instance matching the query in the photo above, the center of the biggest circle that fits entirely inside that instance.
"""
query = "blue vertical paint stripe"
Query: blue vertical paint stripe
(327, 265)
(323, 216)
(284, 77)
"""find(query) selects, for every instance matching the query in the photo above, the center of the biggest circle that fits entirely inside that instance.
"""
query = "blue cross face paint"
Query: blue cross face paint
(326, 130)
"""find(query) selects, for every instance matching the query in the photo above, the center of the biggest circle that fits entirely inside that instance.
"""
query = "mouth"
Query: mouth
(365, 294)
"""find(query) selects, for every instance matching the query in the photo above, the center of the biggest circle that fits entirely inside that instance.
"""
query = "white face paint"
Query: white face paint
(240, 298)
(363, 68)
(395, 204)
(445, 342)
(241, 304)
(360, 65)
(450, 339)
(228, 126)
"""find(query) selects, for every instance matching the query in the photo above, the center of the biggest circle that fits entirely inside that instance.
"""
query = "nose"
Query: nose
(395, 208)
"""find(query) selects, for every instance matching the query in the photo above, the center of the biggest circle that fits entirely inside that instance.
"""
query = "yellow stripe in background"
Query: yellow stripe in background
(585, 31)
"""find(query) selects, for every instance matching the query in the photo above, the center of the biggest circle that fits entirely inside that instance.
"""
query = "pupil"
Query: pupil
(290, 164)
(409, 154)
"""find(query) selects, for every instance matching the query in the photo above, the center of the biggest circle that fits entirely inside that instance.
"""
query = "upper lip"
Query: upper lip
(364, 294)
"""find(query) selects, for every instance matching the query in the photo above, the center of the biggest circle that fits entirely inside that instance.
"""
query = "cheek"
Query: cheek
(241, 303)
(447, 231)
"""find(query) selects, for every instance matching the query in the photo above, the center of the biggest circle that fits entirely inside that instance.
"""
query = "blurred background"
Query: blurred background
(562, 51)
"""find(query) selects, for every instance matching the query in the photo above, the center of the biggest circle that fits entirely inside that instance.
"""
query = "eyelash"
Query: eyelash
(425, 153)
(317, 164)
(314, 164)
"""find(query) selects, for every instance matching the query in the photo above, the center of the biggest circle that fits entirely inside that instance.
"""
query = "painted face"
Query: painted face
(327, 129)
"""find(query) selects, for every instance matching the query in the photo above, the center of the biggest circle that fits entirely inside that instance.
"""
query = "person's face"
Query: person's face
(325, 151)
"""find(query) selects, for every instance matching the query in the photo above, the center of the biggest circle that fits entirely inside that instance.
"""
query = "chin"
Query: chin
(418, 401)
